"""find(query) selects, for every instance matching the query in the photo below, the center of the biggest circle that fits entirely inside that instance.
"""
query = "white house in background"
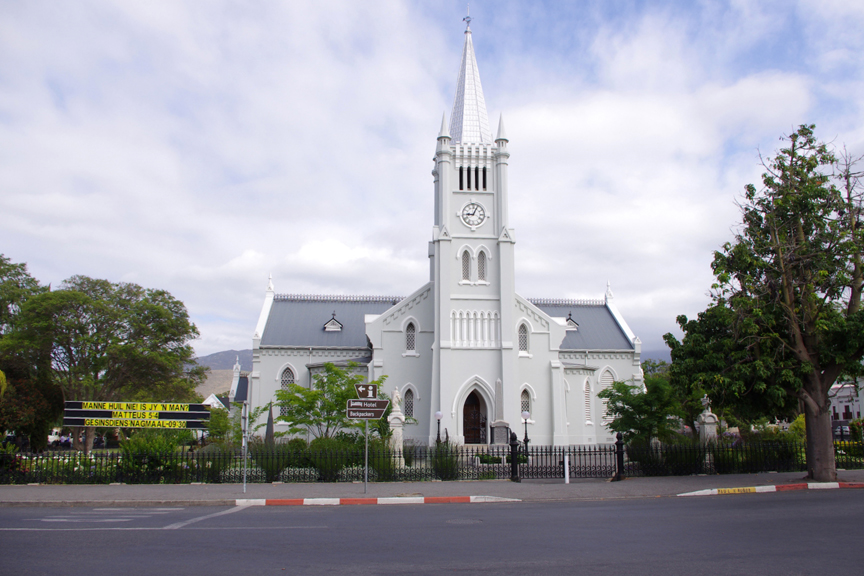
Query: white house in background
(846, 401)
(465, 343)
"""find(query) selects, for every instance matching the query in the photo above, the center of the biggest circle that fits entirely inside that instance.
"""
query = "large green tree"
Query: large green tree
(109, 342)
(321, 409)
(641, 415)
(792, 279)
(29, 401)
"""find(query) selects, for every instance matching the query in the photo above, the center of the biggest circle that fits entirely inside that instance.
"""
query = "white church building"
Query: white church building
(464, 344)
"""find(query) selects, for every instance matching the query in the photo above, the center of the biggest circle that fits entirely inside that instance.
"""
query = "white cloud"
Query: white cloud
(201, 147)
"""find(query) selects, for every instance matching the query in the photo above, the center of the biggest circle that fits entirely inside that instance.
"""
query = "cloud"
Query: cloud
(201, 147)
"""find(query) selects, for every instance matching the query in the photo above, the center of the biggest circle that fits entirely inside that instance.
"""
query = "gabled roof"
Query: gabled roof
(598, 329)
(469, 122)
(300, 320)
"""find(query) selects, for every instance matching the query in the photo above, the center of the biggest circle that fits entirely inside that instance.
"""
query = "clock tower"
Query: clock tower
(472, 269)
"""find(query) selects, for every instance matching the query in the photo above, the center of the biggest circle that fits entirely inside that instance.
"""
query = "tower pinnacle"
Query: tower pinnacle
(469, 122)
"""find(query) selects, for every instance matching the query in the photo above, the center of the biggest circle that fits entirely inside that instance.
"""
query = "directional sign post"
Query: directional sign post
(366, 407)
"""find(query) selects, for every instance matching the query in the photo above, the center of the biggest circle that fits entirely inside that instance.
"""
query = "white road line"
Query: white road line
(200, 518)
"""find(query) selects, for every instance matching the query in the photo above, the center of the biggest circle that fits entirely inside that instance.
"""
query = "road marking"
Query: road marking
(185, 523)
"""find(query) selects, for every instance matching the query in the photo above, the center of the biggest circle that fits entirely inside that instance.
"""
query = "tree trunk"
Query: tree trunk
(89, 436)
(820, 444)
(76, 438)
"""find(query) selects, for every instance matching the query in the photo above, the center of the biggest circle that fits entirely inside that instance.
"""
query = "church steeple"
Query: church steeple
(469, 122)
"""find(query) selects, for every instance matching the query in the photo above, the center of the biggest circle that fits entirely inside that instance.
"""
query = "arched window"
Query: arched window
(287, 379)
(481, 266)
(606, 381)
(523, 338)
(410, 333)
(526, 401)
(408, 402)
(460, 178)
(466, 266)
(587, 402)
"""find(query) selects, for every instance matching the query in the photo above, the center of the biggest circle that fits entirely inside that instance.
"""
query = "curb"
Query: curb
(371, 501)
(775, 488)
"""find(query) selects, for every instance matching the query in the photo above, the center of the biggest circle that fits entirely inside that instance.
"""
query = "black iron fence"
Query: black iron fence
(415, 463)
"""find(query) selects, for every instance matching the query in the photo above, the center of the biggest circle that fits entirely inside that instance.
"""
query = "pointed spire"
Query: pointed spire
(270, 284)
(609, 295)
(444, 132)
(502, 134)
(469, 122)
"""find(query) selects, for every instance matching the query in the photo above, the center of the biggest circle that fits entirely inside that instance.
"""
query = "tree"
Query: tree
(713, 359)
(29, 402)
(109, 342)
(642, 415)
(793, 278)
(321, 409)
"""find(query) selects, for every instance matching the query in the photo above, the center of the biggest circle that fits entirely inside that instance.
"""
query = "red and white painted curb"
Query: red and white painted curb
(371, 501)
(776, 488)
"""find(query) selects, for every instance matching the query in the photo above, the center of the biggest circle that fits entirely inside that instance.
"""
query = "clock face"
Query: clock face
(473, 214)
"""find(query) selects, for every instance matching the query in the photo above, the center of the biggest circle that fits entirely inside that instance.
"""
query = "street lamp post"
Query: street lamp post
(525, 416)
(438, 416)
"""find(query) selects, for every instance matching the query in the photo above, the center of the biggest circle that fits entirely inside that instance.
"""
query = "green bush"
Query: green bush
(211, 461)
(409, 452)
(330, 455)
(382, 460)
(149, 456)
(276, 457)
(445, 460)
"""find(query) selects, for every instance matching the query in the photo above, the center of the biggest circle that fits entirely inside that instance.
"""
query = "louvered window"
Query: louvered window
(409, 403)
(481, 266)
(587, 402)
(409, 337)
(606, 382)
(526, 401)
(523, 338)
(466, 266)
(287, 380)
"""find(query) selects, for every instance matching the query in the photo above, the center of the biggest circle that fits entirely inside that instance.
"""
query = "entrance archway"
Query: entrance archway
(474, 419)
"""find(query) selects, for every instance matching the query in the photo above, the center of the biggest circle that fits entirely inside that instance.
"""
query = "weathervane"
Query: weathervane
(467, 19)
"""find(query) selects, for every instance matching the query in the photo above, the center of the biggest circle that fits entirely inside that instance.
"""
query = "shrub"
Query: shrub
(148, 456)
(211, 461)
(445, 460)
(382, 460)
(330, 455)
(276, 457)
(409, 452)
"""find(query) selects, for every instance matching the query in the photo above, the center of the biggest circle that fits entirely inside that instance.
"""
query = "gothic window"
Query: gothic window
(287, 379)
(481, 266)
(587, 402)
(523, 338)
(408, 403)
(460, 178)
(606, 382)
(410, 333)
(466, 266)
(526, 401)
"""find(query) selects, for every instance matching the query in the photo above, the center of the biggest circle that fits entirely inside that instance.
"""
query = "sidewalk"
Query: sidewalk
(527, 491)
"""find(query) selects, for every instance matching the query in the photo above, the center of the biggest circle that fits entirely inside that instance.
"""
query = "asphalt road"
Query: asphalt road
(808, 532)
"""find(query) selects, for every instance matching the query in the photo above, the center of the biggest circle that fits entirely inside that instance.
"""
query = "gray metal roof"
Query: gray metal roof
(299, 320)
(242, 389)
(598, 329)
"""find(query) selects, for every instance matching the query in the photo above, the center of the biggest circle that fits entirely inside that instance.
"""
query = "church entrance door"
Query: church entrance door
(474, 419)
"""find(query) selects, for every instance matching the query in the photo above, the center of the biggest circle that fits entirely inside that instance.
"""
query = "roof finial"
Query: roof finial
(467, 19)
(270, 283)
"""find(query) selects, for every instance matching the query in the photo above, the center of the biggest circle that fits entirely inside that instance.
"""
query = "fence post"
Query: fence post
(514, 458)
(619, 457)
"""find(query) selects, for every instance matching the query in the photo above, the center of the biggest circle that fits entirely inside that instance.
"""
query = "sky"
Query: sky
(199, 147)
